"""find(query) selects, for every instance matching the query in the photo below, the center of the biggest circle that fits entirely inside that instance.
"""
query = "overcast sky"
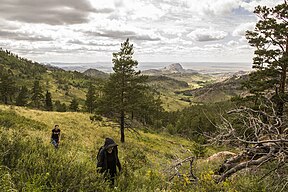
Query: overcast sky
(161, 30)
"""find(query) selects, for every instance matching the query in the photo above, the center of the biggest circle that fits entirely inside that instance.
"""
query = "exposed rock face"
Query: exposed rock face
(174, 68)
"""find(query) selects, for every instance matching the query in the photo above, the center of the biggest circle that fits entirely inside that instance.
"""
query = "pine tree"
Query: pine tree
(48, 101)
(37, 95)
(74, 105)
(125, 89)
(7, 86)
(270, 38)
(60, 107)
(23, 96)
(90, 99)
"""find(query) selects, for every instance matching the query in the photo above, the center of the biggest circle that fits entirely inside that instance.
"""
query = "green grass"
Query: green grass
(30, 163)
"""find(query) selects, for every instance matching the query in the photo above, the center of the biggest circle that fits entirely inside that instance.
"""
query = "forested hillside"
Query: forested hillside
(26, 83)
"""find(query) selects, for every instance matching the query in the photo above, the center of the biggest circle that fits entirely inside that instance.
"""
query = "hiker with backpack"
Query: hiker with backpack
(107, 160)
(55, 137)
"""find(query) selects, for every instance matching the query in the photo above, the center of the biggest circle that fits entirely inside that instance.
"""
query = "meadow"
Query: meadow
(30, 163)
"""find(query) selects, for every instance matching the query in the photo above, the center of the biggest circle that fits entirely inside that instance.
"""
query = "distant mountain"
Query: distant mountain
(96, 73)
(170, 69)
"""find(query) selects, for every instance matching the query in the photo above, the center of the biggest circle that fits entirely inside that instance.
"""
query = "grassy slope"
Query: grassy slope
(148, 155)
(84, 137)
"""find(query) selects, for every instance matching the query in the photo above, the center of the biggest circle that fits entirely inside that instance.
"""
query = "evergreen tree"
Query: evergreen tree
(74, 105)
(7, 86)
(270, 38)
(37, 95)
(125, 89)
(60, 107)
(48, 101)
(23, 96)
(90, 99)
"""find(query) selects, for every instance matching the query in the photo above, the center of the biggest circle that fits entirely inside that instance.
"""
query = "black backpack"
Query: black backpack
(98, 154)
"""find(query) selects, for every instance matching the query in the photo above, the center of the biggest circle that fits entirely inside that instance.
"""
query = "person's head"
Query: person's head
(110, 149)
(56, 126)
(109, 145)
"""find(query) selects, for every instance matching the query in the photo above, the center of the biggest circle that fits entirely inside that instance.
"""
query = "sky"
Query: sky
(89, 31)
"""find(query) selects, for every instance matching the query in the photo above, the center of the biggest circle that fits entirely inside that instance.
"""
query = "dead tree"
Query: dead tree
(262, 137)
(174, 170)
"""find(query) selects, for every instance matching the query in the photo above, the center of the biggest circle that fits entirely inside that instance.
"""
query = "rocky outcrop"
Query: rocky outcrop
(173, 68)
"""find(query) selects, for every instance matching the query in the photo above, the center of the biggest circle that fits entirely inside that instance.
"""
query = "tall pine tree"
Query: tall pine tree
(7, 86)
(48, 101)
(90, 101)
(125, 89)
(270, 38)
(74, 105)
(23, 96)
(37, 95)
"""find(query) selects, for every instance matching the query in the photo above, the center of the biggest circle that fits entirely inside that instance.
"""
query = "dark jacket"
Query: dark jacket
(108, 162)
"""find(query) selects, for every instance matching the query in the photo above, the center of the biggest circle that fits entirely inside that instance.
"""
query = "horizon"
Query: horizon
(202, 67)
(163, 31)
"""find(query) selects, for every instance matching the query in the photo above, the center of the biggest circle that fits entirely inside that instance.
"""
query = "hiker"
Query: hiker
(108, 160)
(55, 137)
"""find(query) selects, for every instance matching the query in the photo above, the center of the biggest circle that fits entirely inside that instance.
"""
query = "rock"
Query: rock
(220, 156)
(174, 68)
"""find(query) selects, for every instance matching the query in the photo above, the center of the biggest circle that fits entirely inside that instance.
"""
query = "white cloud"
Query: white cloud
(120, 30)
(243, 40)
(163, 29)
(244, 47)
(207, 34)
(215, 7)
(242, 28)
(232, 43)
(220, 7)
(251, 4)
(214, 46)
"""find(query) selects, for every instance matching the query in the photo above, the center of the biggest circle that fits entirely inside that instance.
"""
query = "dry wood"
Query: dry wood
(263, 138)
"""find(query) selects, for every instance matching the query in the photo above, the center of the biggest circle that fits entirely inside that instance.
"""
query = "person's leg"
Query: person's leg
(112, 178)
(55, 143)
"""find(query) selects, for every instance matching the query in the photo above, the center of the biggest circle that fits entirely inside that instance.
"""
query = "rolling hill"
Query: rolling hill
(219, 91)
(63, 85)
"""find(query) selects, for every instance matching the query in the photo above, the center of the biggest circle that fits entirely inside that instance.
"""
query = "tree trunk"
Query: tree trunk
(281, 95)
(122, 122)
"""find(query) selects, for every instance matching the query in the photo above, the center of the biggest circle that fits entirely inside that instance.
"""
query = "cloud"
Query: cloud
(214, 46)
(93, 43)
(245, 47)
(204, 34)
(219, 7)
(242, 28)
(53, 12)
(162, 29)
(251, 4)
(115, 34)
(232, 43)
(23, 36)
(115, 29)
